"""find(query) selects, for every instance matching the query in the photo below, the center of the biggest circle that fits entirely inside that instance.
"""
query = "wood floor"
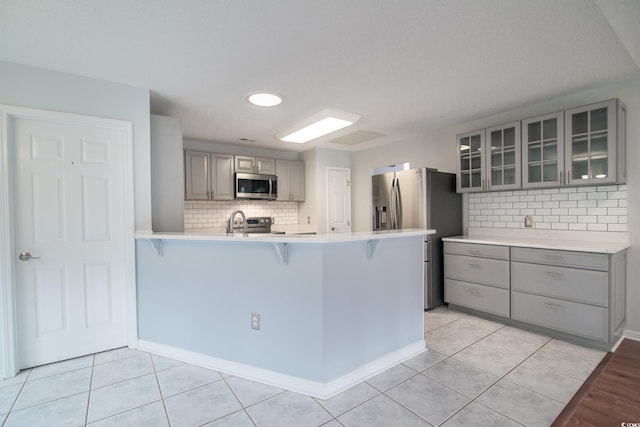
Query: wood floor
(611, 394)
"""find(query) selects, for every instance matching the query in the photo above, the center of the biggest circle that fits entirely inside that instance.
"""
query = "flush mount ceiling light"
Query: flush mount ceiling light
(265, 99)
(325, 122)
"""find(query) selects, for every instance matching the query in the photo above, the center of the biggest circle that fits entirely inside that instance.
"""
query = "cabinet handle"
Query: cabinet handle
(473, 251)
(555, 307)
(473, 264)
(554, 274)
(568, 177)
(474, 292)
(554, 257)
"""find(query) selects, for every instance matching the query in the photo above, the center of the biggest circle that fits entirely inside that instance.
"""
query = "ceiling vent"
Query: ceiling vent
(356, 137)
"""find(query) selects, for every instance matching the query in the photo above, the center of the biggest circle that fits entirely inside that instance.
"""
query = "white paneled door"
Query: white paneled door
(339, 200)
(69, 238)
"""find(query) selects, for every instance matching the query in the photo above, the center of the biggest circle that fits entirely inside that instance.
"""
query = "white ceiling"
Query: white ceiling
(407, 67)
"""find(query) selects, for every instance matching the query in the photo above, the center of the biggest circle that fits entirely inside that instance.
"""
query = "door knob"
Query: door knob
(26, 256)
(333, 229)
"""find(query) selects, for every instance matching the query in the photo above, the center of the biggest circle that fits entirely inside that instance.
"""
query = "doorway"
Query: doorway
(338, 200)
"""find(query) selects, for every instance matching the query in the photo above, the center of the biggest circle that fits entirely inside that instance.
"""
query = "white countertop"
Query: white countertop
(293, 228)
(194, 235)
(609, 247)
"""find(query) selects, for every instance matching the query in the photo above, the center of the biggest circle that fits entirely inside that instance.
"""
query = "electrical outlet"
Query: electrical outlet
(255, 321)
(528, 221)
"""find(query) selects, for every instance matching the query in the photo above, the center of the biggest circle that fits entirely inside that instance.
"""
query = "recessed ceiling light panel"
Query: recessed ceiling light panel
(265, 99)
(323, 123)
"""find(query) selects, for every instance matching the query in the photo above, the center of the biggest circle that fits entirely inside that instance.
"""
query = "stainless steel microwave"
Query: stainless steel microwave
(256, 186)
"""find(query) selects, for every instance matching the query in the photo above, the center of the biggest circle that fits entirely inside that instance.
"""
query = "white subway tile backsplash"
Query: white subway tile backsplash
(559, 197)
(587, 203)
(597, 211)
(597, 227)
(215, 214)
(578, 227)
(587, 189)
(568, 190)
(587, 219)
(595, 208)
(596, 196)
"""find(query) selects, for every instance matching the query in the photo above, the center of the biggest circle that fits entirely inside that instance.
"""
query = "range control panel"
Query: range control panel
(259, 224)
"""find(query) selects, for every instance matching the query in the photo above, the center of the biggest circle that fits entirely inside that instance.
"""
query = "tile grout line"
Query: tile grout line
(86, 414)
(155, 374)
(240, 402)
(17, 396)
(492, 384)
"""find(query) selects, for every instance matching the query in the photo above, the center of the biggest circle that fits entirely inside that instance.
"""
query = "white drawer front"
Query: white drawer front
(574, 318)
(568, 283)
(587, 260)
(479, 297)
(474, 249)
(485, 271)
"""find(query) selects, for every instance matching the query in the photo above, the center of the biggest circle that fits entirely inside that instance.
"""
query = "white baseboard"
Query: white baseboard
(632, 335)
(287, 382)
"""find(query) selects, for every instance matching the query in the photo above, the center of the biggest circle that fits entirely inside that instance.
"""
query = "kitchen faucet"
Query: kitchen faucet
(231, 226)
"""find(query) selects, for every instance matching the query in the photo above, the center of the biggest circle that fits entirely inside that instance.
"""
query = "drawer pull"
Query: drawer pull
(554, 274)
(473, 251)
(555, 307)
(554, 257)
(473, 264)
(474, 292)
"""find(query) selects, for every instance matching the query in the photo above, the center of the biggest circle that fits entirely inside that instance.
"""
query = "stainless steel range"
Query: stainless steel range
(256, 224)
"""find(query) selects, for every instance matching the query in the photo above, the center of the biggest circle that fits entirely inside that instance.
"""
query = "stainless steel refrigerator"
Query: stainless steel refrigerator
(419, 198)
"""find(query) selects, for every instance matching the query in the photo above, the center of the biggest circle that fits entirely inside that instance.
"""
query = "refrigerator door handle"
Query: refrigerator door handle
(398, 205)
(391, 207)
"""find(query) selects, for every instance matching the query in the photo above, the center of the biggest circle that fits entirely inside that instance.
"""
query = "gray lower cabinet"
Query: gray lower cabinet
(578, 293)
(479, 279)
(581, 294)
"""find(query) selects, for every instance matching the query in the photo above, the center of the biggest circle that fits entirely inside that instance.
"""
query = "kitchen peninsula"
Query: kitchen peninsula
(312, 313)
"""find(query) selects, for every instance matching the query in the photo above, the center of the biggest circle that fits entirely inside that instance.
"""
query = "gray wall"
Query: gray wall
(25, 86)
(317, 160)
(167, 174)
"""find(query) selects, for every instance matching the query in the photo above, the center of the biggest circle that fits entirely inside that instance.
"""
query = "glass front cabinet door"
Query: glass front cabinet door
(503, 157)
(543, 151)
(471, 175)
(595, 144)
(489, 159)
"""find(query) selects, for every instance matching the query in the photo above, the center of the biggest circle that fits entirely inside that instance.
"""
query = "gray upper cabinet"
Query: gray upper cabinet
(208, 176)
(196, 169)
(580, 146)
(503, 157)
(595, 144)
(259, 165)
(543, 151)
(489, 159)
(222, 176)
(471, 170)
(290, 180)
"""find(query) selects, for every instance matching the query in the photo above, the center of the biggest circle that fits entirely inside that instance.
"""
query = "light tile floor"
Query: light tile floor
(476, 372)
